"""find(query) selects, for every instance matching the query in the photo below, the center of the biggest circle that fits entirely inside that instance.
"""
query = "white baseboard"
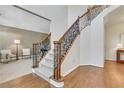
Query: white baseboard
(97, 65)
(68, 72)
(57, 84)
(33, 70)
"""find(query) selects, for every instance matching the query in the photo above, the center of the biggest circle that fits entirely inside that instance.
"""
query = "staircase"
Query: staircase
(49, 65)
(46, 66)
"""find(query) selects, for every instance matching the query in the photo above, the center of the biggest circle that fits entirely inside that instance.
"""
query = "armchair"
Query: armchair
(26, 52)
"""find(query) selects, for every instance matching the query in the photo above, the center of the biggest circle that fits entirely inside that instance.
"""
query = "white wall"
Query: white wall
(14, 17)
(89, 50)
(92, 43)
(62, 16)
(97, 42)
(58, 15)
(114, 27)
(96, 49)
(72, 60)
(85, 46)
(112, 39)
(97, 38)
(74, 11)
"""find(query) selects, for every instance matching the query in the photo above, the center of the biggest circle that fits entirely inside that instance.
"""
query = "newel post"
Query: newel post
(56, 80)
(57, 60)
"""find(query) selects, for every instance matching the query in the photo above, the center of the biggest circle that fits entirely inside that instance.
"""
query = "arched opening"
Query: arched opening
(114, 33)
(114, 41)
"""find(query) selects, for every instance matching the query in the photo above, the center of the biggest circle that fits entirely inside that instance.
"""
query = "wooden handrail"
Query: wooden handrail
(46, 38)
(49, 34)
(92, 8)
(60, 39)
(88, 10)
(95, 6)
(67, 31)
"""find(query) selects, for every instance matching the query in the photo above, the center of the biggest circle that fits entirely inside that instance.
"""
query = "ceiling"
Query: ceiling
(15, 17)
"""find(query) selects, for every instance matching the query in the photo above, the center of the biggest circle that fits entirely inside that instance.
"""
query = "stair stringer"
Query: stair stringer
(72, 60)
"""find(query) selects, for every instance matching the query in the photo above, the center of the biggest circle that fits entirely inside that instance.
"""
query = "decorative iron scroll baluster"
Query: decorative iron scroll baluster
(40, 49)
(62, 46)
(91, 13)
(68, 39)
(85, 20)
(96, 10)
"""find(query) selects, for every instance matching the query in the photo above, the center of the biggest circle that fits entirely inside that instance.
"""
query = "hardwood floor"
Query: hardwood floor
(84, 76)
(114, 74)
(27, 81)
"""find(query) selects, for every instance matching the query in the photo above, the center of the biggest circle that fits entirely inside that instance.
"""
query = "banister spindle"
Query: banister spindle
(37, 55)
(33, 57)
(78, 20)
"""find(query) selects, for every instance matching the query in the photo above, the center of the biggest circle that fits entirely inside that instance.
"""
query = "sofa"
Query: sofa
(6, 56)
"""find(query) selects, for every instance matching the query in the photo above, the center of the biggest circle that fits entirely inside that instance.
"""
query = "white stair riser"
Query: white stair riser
(48, 64)
(45, 65)
(41, 75)
(46, 69)
(51, 56)
(49, 60)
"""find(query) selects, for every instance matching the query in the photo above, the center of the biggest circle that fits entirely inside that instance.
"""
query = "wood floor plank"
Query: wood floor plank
(83, 77)
(27, 81)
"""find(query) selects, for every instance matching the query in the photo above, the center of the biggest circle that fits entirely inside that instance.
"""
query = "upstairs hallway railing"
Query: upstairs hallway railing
(62, 46)
(40, 49)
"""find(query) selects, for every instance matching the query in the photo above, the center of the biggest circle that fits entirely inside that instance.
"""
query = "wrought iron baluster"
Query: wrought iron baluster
(37, 47)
